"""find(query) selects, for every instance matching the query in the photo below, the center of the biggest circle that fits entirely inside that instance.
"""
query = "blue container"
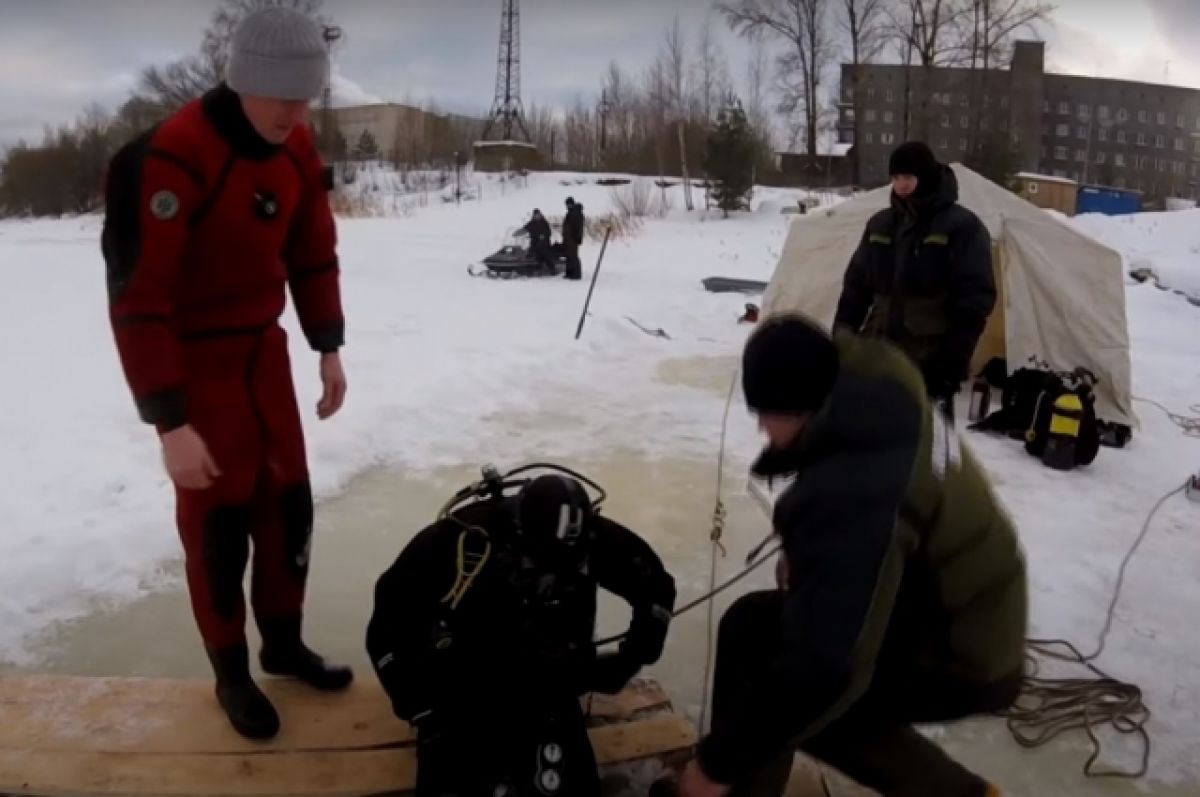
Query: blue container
(1109, 201)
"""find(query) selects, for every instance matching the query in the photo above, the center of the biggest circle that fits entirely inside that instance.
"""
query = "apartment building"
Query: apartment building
(1132, 135)
(1128, 135)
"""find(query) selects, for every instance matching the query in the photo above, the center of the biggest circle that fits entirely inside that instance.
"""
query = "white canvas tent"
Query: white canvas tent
(1061, 294)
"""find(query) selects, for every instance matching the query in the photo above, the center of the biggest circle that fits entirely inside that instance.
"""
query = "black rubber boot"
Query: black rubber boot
(284, 653)
(248, 709)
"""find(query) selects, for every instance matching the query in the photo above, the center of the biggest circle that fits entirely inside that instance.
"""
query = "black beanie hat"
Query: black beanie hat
(915, 158)
(788, 367)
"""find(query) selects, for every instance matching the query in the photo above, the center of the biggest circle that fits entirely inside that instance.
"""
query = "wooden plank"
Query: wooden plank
(235, 775)
(272, 772)
(52, 713)
(641, 739)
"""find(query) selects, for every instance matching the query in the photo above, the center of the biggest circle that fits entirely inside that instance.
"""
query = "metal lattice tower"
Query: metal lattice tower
(507, 110)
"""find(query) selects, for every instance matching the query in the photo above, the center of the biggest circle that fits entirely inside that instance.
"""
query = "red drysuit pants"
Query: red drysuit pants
(241, 401)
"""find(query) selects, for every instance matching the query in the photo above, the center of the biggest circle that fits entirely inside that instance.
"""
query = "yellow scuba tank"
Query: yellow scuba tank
(1062, 438)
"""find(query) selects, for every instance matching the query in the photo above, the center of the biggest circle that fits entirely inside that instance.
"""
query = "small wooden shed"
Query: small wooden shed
(1047, 191)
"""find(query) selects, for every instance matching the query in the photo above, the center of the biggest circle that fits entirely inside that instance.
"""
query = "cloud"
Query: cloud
(1073, 50)
(347, 92)
(1109, 40)
(1178, 22)
(57, 56)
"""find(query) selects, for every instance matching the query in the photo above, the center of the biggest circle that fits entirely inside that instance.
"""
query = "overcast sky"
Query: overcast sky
(56, 56)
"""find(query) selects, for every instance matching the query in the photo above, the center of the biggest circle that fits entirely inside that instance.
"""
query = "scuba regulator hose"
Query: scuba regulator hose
(754, 560)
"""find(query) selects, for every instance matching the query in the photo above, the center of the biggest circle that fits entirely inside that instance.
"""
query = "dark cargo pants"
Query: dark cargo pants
(874, 741)
(574, 268)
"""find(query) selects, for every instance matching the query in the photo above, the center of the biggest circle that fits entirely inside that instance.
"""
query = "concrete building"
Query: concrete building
(1121, 133)
(1127, 135)
(402, 132)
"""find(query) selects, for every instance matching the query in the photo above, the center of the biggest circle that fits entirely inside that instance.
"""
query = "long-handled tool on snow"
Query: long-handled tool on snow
(595, 273)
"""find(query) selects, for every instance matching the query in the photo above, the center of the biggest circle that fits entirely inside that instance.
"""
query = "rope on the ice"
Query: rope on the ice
(1050, 706)
(1190, 424)
(718, 529)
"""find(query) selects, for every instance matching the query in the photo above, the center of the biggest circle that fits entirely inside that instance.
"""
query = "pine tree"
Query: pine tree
(730, 158)
(366, 147)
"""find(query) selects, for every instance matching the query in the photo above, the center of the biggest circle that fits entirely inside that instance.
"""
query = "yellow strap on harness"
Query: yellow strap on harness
(468, 564)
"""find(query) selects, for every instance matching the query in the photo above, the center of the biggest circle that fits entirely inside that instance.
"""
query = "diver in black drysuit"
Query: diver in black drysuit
(538, 230)
(490, 670)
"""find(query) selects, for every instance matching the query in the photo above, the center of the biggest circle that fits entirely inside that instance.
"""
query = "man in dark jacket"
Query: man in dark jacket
(538, 230)
(922, 275)
(903, 586)
(211, 218)
(573, 229)
(482, 636)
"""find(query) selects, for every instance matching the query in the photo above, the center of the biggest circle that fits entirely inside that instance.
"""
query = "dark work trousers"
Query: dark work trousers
(874, 741)
(539, 248)
(532, 751)
(574, 269)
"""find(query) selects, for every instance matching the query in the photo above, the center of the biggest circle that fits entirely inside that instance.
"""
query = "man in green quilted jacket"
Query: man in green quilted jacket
(922, 275)
(903, 587)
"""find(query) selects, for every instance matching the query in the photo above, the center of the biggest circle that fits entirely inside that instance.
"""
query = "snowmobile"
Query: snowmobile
(513, 259)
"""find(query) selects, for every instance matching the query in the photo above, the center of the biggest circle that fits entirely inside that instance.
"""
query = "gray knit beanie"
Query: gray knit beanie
(278, 53)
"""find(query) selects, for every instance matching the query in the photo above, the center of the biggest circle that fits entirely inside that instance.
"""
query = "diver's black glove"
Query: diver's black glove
(610, 673)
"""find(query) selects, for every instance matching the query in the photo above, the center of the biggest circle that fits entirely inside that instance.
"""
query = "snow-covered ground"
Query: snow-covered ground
(434, 358)
(439, 363)
(1168, 243)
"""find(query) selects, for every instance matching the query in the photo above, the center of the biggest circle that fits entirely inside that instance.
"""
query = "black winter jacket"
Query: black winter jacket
(922, 278)
(900, 558)
(573, 226)
(539, 231)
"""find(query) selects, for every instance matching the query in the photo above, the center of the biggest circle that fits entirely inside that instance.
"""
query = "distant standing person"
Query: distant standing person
(922, 275)
(573, 227)
(210, 217)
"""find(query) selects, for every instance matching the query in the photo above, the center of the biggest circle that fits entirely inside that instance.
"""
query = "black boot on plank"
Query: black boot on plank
(248, 709)
(284, 653)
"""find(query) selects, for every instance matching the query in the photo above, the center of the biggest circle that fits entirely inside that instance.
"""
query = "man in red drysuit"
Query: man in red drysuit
(211, 217)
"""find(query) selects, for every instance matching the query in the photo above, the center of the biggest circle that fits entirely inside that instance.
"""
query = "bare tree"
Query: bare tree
(675, 66)
(994, 23)
(929, 31)
(543, 129)
(175, 84)
(620, 123)
(712, 72)
(579, 136)
(802, 25)
(756, 84)
(933, 29)
(864, 23)
(988, 29)
(657, 105)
